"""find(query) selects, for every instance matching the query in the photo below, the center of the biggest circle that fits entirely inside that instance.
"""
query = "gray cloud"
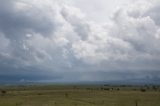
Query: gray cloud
(51, 39)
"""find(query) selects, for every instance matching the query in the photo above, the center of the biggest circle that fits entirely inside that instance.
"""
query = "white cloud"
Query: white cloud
(99, 10)
(56, 36)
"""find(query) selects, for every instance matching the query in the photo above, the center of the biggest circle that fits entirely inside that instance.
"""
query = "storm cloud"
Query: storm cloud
(54, 40)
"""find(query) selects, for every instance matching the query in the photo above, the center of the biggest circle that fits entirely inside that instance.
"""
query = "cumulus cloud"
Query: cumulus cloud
(57, 39)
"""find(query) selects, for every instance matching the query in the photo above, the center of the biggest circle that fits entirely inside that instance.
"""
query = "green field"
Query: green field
(69, 95)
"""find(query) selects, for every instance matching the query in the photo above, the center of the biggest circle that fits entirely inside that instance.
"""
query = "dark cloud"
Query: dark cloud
(18, 74)
(16, 23)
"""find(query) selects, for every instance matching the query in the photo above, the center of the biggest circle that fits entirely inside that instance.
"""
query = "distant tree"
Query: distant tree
(147, 86)
(154, 87)
(3, 92)
(106, 85)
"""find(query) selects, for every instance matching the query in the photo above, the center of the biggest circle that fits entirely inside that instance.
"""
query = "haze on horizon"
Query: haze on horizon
(79, 40)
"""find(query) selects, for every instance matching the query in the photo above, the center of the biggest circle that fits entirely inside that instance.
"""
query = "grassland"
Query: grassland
(82, 95)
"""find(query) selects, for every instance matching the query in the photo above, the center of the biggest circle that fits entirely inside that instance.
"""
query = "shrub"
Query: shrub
(143, 90)
(106, 89)
(136, 103)
(66, 95)
(118, 89)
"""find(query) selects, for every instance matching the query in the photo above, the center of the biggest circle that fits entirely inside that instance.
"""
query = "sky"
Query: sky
(79, 40)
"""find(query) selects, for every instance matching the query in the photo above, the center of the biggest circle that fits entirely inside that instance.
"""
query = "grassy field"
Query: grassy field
(65, 95)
